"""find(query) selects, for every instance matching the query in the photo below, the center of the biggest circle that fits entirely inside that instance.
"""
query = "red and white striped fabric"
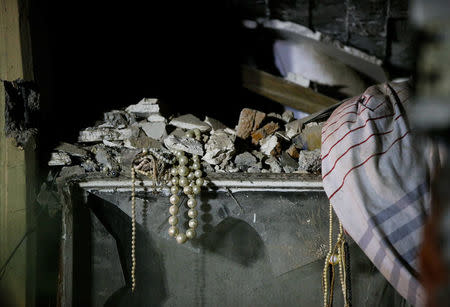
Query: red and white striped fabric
(376, 175)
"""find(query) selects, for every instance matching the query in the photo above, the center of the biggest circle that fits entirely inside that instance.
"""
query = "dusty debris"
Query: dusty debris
(270, 146)
(189, 121)
(249, 121)
(288, 164)
(59, 159)
(256, 168)
(72, 150)
(244, 161)
(156, 117)
(293, 152)
(90, 166)
(142, 141)
(95, 134)
(293, 128)
(275, 166)
(155, 130)
(219, 148)
(214, 123)
(117, 119)
(287, 116)
(144, 108)
(309, 161)
(266, 130)
(186, 144)
(69, 171)
(106, 160)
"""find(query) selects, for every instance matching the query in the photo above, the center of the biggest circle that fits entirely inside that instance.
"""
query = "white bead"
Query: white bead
(187, 190)
(183, 160)
(179, 153)
(191, 203)
(196, 165)
(199, 181)
(181, 238)
(195, 158)
(191, 176)
(192, 213)
(173, 220)
(190, 233)
(196, 189)
(173, 210)
(174, 189)
(175, 180)
(193, 223)
(183, 181)
(174, 171)
(173, 231)
(198, 173)
(174, 199)
(183, 171)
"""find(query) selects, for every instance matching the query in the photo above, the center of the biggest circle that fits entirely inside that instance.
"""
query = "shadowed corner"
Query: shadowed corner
(236, 240)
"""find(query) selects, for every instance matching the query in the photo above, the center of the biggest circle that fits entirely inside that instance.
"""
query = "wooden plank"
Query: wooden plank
(284, 92)
(17, 165)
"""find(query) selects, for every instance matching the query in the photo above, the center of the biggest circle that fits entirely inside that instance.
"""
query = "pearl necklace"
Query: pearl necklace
(187, 174)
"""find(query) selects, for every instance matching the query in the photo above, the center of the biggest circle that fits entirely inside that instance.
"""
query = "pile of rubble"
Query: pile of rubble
(260, 142)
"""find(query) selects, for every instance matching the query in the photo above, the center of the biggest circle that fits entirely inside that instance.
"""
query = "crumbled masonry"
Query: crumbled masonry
(260, 143)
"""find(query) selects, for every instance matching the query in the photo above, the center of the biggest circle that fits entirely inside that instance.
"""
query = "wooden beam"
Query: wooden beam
(284, 92)
(17, 165)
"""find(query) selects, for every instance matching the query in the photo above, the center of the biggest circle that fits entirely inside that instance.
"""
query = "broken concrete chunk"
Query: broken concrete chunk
(244, 161)
(155, 130)
(59, 159)
(220, 148)
(207, 167)
(91, 135)
(71, 150)
(178, 132)
(144, 108)
(256, 168)
(312, 135)
(214, 123)
(287, 116)
(294, 127)
(249, 121)
(90, 166)
(69, 171)
(261, 133)
(288, 164)
(156, 117)
(117, 118)
(309, 161)
(270, 146)
(189, 145)
(292, 151)
(106, 160)
(275, 166)
(230, 131)
(275, 115)
(189, 121)
(259, 155)
(113, 144)
(142, 141)
(298, 142)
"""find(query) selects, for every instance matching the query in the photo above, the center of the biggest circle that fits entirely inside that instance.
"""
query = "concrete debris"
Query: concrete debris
(106, 160)
(113, 144)
(90, 166)
(144, 108)
(249, 121)
(256, 168)
(275, 166)
(298, 142)
(293, 128)
(266, 130)
(270, 146)
(230, 131)
(282, 135)
(178, 132)
(156, 117)
(312, 135)
(259, 155)
(117, 119)
(186, 144)
(288, 116)
(142, 141)
(69, 171)
(71, 150)
(220, 148)
(244, 161)
(309, 161)
(155, 130)
(292, 151)
(214, 123)
(189, 121)
(59, 159)
(94, 135)
(275, 116)
(288, 164)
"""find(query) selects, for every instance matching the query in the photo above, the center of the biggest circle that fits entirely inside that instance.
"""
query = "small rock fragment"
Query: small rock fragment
(104, 157)
(256, 168)
(249, 120)
(293, 127)
(207, 167)
(117, 118)
(259, 155)
(266, 130)
(275, 115)
(90, 166)
(189, 145)
(189, 121)
(144, 108)
(275, 166)
(230, 131)
(178, 132)
(220, 148)
(156, 130)
(90, 135)
(113, 144)
(155, 118)
(298, 142)
(312, 134)
(270, 146)
(288, 164)
(244, 161)
(59, 159)
(214, 123)
(142, 141)
(72, 150)
(69, 171)
(287, 116)
(292, 151)
(309, 161)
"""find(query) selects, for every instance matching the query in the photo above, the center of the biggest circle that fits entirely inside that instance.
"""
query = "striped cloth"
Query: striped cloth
(376, 174)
